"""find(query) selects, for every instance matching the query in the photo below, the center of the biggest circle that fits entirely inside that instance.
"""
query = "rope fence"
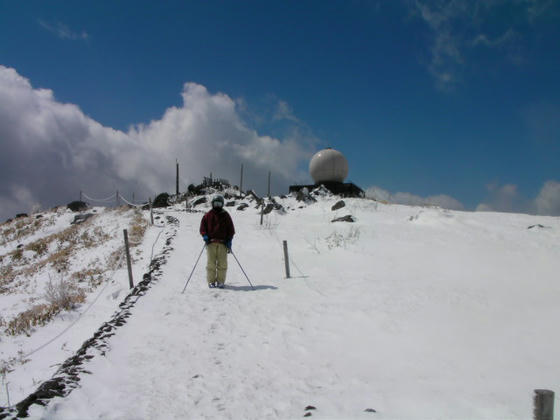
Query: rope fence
(110, 198)
(116, 197)
(129, 203)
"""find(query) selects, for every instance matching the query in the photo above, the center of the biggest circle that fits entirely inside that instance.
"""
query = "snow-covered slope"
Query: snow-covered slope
(416, 313)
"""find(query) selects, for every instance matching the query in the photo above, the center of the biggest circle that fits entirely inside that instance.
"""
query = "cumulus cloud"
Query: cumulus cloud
(548, 200)
(503, 198)
(441, 200)
(49, 151)
(506, 198)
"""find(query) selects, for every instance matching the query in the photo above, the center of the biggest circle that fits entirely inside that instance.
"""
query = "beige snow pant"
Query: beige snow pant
(217, 263)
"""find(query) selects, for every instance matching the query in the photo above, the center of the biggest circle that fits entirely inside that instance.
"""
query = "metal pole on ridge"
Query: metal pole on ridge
(242, 270)
(195, 264)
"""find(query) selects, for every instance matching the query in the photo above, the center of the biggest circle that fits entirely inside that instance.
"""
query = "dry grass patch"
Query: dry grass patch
(91, 239)
(138, 229)
(40, 246)
(67, 242)
(7, 276)
(93, 275)
(38, 315)
(60, 296)
(115, 259)
(17, 230)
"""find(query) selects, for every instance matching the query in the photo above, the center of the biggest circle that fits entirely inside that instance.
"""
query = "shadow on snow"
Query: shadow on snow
(248, 288)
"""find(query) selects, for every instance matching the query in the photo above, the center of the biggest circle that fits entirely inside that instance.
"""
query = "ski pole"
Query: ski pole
(195, 264)
(242, 270)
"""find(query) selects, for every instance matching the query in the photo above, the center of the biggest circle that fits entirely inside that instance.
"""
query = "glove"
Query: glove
(228, 245)
(206, 239)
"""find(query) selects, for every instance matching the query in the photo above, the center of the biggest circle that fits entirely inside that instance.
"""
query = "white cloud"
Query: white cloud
(441, 200)
(548, 200)
(503, 198)
(52, 150)
(460, 26)
(63, 31)
(483, 39)
(20, 201)
(284, 112)
(507, 198)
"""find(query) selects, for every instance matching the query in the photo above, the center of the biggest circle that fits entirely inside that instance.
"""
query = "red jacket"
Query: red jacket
(217, 224)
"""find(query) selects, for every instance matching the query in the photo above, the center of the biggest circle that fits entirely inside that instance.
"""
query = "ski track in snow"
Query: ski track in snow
(427, 314)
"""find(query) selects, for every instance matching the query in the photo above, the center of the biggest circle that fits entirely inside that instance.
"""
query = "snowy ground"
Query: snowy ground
(416, 313)
(26, 366)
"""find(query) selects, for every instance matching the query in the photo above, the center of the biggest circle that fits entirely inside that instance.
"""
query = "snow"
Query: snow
(414, 312)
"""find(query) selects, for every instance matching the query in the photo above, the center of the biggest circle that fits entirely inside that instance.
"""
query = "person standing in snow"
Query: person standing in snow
(217, 231)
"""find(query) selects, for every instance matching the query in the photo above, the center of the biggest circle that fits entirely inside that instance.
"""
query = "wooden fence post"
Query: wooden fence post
(241, 181)
(130, 281)
(286, 259)
(7, 392)
(151, 212)
(177, 178)
(543, 401)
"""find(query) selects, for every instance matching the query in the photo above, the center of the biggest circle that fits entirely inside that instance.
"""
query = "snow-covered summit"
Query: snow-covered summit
(405, 313)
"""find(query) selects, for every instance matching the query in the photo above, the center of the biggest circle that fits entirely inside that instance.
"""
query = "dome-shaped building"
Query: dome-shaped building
(328, 165)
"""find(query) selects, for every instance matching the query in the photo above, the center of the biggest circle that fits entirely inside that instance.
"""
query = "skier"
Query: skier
(217, 231)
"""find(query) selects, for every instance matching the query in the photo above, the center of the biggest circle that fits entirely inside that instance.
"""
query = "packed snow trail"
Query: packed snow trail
(412, 313)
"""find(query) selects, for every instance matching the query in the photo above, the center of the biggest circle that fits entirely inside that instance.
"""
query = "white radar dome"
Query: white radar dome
(328, 165)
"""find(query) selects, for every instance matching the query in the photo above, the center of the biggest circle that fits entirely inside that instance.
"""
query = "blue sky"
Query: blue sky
(459, 99)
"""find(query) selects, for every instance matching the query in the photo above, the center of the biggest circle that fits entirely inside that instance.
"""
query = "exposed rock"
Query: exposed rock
(322, 191)
(538, 226)
(305, 196)
(21, 215)
(338, 205)
(230, 204)
(242, 206)
(162, 200)
(252, 196)
(369, 410)
(268, 208)
(77, 206)
(80, 218)
(196, 189)
(201, 200)
(348, 218)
